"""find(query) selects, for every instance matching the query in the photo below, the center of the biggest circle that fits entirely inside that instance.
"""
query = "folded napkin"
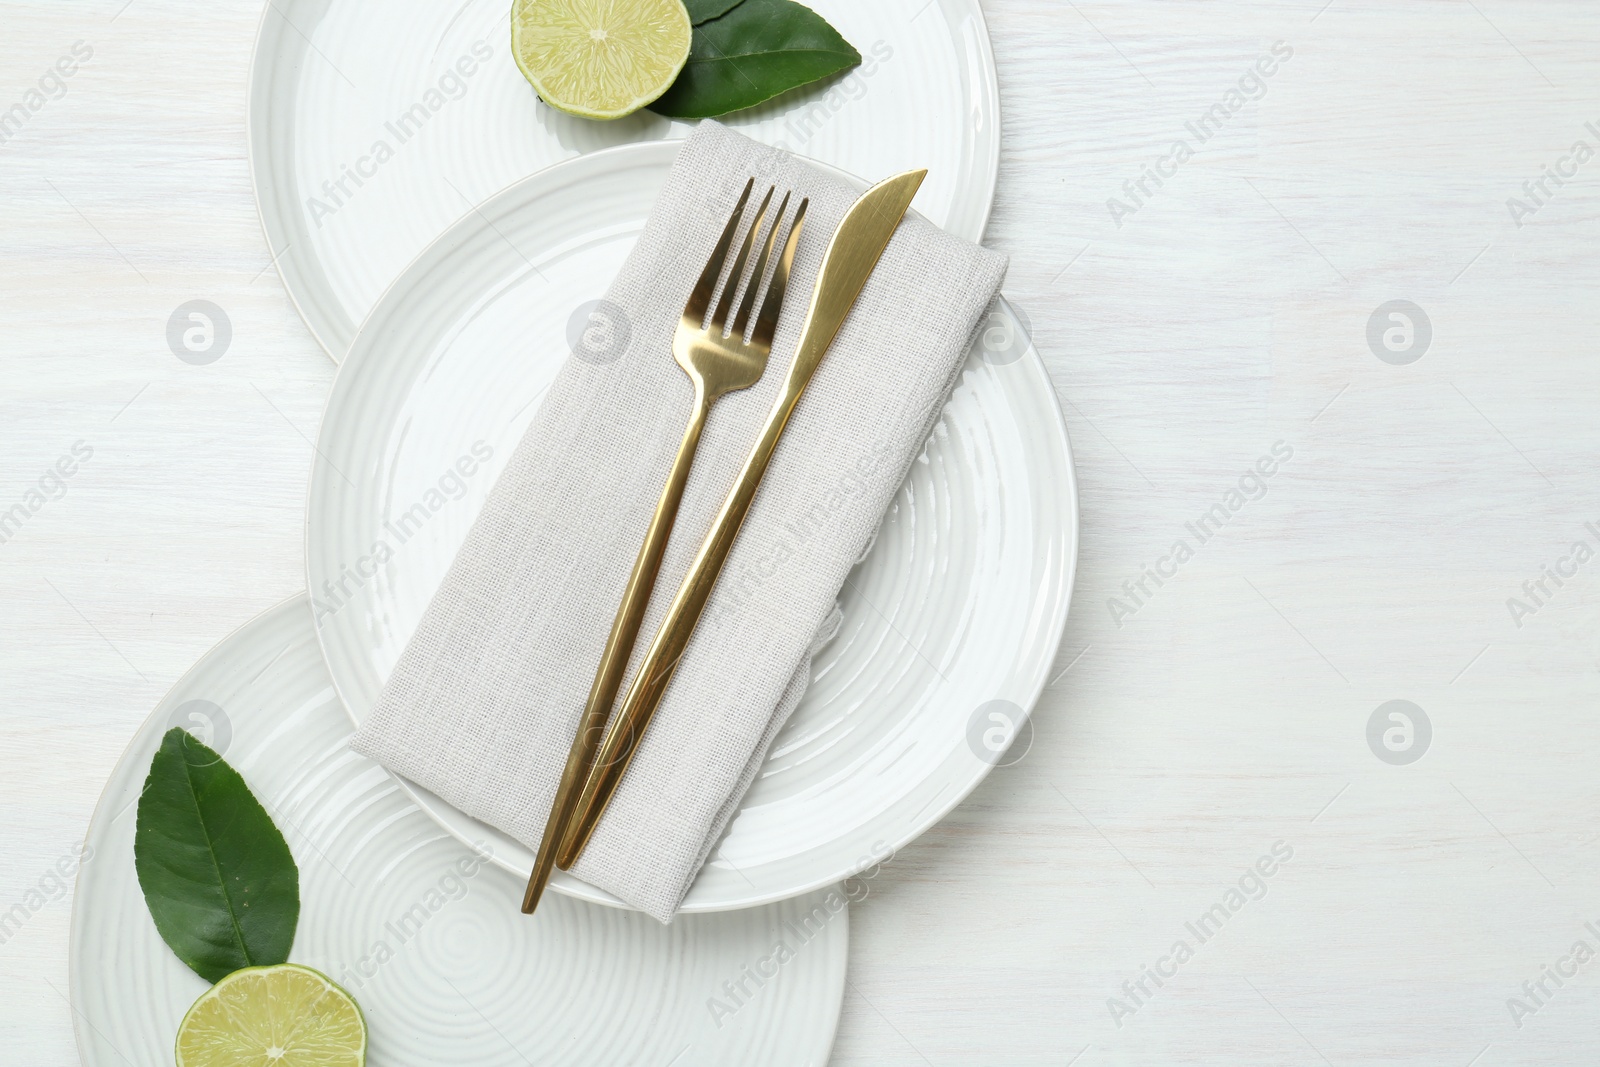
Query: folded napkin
(483, 704)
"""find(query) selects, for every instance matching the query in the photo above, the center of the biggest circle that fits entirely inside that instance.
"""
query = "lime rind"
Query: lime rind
(600, 59)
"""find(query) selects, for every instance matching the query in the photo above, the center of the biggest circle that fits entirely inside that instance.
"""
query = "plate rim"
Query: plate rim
(1065, 570)
(257, 90)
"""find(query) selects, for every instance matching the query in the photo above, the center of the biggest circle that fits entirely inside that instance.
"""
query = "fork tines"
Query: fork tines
(750, 286)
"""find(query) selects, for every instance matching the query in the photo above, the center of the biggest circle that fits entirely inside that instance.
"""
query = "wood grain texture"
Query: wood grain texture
(1182, 739)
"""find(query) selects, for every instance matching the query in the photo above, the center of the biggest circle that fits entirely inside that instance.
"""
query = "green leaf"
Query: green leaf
(757, 50)
(216, 873)
(703, 10)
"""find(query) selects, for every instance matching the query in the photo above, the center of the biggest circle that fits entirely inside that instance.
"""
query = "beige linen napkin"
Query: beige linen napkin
(482, 706)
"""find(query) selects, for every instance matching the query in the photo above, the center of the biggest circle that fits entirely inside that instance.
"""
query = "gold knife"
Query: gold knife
(852, 254)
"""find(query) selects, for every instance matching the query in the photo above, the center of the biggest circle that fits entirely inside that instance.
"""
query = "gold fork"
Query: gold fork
(716, 365)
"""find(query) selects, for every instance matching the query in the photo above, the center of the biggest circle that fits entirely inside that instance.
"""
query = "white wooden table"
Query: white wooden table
(1197, 723)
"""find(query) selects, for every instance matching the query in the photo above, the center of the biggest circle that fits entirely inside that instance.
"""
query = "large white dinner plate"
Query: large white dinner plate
(375, 124)
(431, 943)
(961, 601)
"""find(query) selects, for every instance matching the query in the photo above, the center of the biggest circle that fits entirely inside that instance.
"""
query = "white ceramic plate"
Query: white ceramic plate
(375, 124)
(465, 978)
(961, 601)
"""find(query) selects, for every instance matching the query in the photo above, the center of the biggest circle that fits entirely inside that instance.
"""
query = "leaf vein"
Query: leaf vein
(211, 850)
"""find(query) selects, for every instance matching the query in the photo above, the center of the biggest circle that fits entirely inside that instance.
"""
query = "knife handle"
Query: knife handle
(655, 672)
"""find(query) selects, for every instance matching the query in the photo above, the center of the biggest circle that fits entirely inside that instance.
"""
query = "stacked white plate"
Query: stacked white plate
(958, 605)
(425, 934)
(375, 124)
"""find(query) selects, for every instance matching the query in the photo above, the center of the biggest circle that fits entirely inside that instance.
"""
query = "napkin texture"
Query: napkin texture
(484, 701)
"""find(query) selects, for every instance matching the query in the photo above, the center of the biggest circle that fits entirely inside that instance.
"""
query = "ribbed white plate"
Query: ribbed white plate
(375, 124)
(961, 601)
(446, 968)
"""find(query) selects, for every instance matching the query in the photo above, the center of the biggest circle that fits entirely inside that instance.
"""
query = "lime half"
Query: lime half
(601, 59)
(282, 1016)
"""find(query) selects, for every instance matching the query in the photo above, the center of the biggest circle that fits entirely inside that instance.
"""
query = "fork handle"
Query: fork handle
(655, 673)
(619, 647)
